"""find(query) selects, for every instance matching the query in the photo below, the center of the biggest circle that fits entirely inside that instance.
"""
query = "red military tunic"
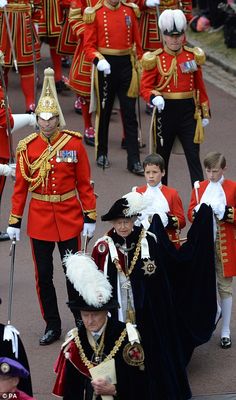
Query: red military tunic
(175, 206)
(67, 170)
(80, 72)
(150, 33)
(21, 15)
(163, 76)
(227, 230)
(114, 31)
(67, 41)
(51, 20)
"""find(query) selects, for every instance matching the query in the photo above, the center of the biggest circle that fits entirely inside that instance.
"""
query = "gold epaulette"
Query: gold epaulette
(149, 59)
(22, 145)
(134, 6)
(90, 13)
(73, 133)
(199, 54)
(69, 337)
(74, 14)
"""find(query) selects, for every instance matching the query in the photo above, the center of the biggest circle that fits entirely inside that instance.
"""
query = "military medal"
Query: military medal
(149, 267)
(188, 66)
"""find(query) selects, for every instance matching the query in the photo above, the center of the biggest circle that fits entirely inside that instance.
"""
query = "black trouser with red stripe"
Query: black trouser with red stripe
(43, 259)
(177, 120)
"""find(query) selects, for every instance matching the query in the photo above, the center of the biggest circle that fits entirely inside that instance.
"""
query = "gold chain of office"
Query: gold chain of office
(135, 257)
(112, 354)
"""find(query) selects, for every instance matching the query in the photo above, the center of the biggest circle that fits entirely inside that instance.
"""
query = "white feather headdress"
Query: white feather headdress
(137, 202)
(91, 283)
(171, 19)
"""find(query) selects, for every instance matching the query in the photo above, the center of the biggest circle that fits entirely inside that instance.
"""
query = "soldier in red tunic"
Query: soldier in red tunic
(53, 166)
(111, 32)
(150, 33)
(220, 193)
(172, 81)
(21, 16)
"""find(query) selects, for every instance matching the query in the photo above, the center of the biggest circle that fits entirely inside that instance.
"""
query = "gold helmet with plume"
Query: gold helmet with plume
(48, 104)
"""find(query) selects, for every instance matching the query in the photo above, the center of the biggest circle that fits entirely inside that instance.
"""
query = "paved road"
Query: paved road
(212, 370)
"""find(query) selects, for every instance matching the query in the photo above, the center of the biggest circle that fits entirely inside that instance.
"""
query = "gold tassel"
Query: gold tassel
(133, 90)
(199, 131)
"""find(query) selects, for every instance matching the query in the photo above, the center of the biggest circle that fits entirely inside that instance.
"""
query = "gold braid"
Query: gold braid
(172, 71)
(41, 164)
(112, 354)
(135, 257)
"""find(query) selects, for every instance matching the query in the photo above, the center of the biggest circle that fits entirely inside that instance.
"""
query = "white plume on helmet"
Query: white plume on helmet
(91, 283)
(170, 19)
(136, 203)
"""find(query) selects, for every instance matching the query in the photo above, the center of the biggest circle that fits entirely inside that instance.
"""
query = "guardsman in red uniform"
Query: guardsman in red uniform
(21, 16)
(49, 30)
(81, 68)
(111, 32)
(165, 200)
(220, 194)
(150, 33)
(172, 81)
(53, 166)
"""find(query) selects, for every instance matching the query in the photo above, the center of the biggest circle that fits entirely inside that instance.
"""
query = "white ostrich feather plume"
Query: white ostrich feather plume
(169, 18)
(136, 203)
(180, 20)
(83, 273)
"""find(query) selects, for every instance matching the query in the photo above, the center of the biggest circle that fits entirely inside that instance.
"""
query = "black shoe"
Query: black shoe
(103, 162)
(225, 342)
(4, 236)
(137, 169)
(49, 337)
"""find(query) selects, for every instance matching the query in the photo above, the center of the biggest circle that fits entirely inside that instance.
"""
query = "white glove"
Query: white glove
(152, 3)
(22, 120)
(218, 210)
(159, 102)
(3, 3)
(13, 232)
(89, 229)
(205, 122)
(104, 66)
(8, 170)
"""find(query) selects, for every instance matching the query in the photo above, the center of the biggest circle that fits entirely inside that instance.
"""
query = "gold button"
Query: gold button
(54, 191)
